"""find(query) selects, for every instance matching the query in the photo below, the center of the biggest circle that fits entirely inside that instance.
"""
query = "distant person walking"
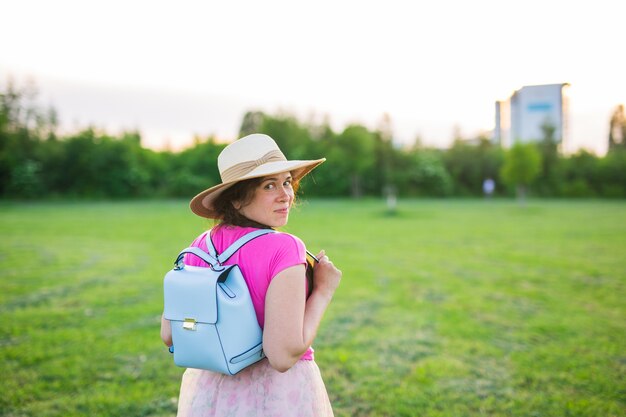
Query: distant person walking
(257, 192)
(489, 186)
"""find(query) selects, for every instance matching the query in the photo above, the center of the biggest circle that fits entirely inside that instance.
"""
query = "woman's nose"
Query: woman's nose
(285, 193)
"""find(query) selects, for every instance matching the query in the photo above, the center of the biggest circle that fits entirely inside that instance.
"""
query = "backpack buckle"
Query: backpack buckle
(190, 324)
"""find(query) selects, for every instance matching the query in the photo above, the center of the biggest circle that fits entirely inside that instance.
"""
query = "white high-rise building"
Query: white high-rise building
(522, 116)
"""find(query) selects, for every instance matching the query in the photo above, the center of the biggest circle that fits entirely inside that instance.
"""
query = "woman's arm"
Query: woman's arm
(291, 321)
(166, 331)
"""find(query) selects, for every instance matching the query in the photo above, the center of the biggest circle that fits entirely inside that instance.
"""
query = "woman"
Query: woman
(257, 191)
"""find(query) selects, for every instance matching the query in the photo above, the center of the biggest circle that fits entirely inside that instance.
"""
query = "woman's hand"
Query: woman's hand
(292, 320)
(326, 276)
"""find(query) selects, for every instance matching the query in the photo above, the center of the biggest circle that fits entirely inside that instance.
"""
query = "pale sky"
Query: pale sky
(175, 69)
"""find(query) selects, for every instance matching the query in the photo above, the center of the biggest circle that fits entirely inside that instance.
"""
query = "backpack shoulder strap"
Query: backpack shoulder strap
(209, 244)
(197, 252)
(223, 257)
(210, 256)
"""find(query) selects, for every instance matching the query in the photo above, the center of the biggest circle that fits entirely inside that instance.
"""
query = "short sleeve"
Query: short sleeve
(288, 251)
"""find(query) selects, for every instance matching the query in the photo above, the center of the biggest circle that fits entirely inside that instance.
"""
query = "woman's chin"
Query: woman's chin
(281, 221)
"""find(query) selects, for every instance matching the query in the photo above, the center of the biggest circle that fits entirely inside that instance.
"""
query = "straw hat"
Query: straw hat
(252, 156)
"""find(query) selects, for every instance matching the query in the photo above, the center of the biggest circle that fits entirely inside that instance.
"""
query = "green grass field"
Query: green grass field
(448, 308)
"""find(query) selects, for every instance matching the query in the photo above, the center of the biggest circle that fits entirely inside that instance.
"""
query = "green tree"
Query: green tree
(548, 147)
(522, 164)
(579, 175)
(194, 169)
(252, 122)
(354, 149)
(470, 163)
(293, 138)
(612, 174)
(617, 129)
(93, 164)
(22, 125)
(427, 175)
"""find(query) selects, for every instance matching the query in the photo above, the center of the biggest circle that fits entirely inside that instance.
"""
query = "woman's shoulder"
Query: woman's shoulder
(200, 240)
(284, 236)
(281, 249)
(282, 240)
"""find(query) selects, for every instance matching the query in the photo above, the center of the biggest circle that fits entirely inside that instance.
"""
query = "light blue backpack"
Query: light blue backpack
(214, 325)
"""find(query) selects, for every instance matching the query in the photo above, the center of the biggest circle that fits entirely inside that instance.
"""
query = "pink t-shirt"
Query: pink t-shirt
(260, 260)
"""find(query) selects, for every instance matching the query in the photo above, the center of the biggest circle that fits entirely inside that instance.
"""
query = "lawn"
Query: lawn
(446, 308)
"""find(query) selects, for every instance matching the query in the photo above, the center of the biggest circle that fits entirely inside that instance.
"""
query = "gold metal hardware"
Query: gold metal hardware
(189, 324)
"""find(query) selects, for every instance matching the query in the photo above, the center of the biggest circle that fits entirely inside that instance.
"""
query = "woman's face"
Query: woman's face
(271, 201)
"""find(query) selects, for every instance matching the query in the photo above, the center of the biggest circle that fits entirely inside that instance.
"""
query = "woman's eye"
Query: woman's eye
(269, 186)
(287, 183)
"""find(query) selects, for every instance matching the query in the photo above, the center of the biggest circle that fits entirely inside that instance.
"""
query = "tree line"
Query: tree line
(37, 162)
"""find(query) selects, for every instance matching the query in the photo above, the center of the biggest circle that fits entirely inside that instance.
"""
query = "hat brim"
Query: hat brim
(202, 204)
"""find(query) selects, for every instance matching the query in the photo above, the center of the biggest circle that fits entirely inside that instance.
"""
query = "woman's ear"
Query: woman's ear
(237, 205)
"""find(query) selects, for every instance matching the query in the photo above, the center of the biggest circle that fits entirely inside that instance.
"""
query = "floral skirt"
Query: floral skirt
(257, 391)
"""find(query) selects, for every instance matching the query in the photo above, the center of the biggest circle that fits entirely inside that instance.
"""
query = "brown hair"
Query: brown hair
(242, 192)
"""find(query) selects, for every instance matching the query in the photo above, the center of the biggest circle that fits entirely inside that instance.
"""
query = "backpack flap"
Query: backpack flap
(190, 295)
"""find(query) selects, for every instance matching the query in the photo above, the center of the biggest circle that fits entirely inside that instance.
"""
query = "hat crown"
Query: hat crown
(247, 149)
